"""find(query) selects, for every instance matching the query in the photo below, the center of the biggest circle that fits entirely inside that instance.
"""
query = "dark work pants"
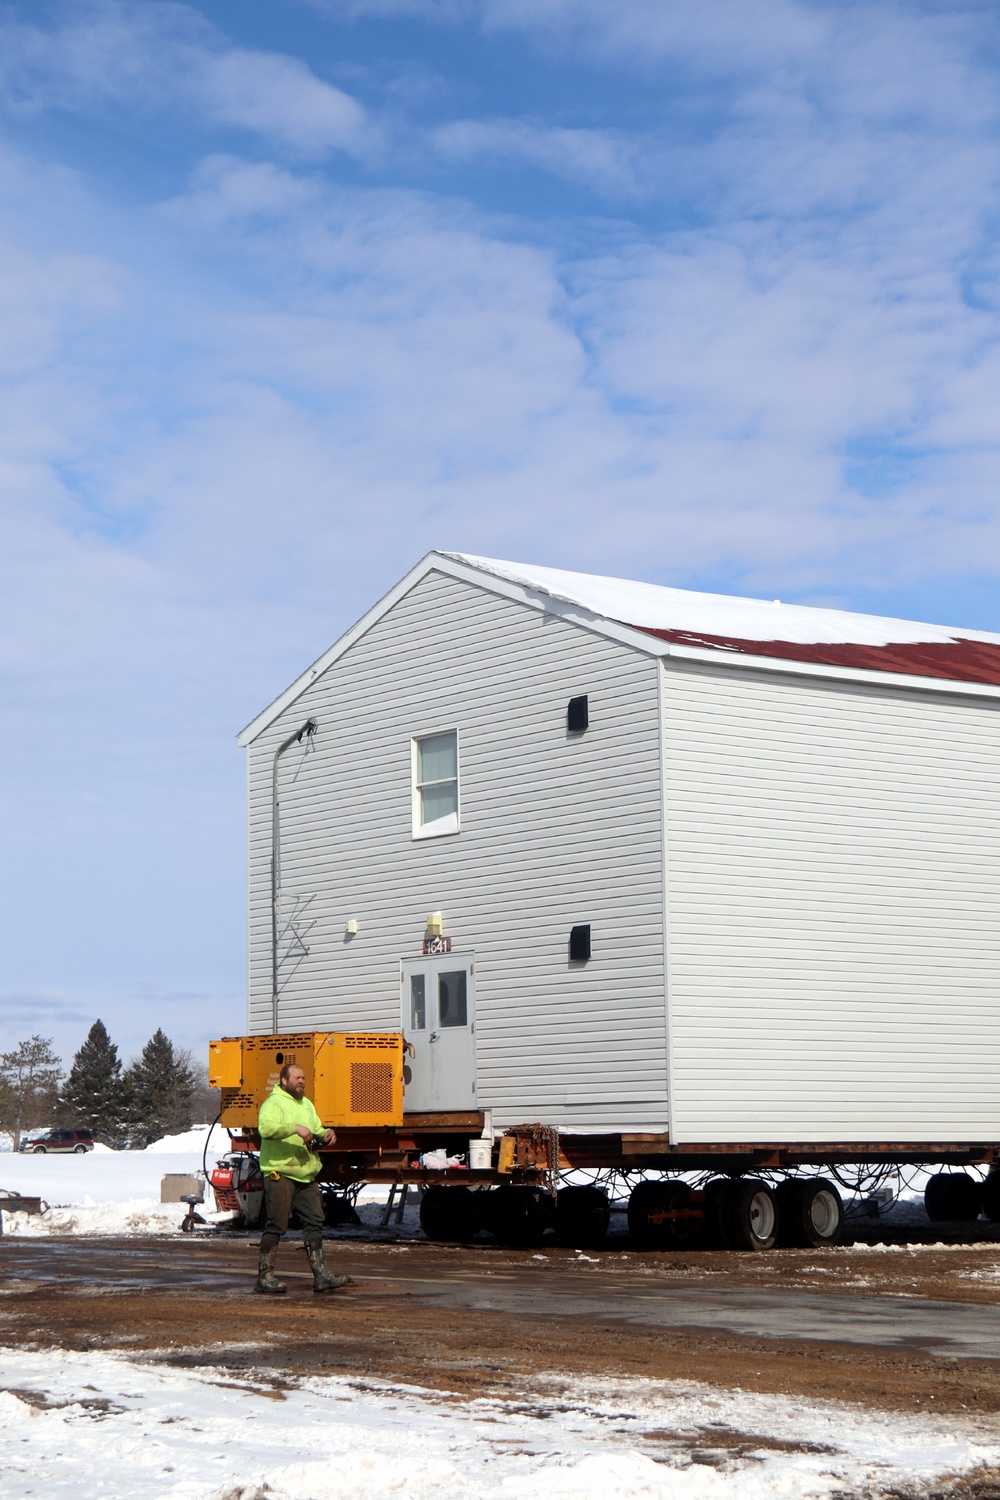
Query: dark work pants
(281, 1196)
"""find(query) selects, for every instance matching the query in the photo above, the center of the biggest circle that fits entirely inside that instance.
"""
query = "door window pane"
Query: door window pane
(452, 1004)
(418, 1003)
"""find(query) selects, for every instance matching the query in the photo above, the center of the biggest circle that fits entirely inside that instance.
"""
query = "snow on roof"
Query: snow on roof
(764, 627)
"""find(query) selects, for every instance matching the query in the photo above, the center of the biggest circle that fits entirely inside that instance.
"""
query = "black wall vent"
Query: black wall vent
(578, 715)
(579, 941)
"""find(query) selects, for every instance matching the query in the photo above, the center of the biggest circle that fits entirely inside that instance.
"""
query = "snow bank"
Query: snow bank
(105, 1192)
(133, 1216)
(194, 1140)
(118, 1192)
(189, 1140)
(71, 1426)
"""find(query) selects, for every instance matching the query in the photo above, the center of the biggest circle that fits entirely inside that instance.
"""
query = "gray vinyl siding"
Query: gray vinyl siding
(556, 830)
(833, 894)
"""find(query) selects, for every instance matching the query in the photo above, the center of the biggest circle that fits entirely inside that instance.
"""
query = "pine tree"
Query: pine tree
(93, 1095)
(160, 1086)
(29, 1086)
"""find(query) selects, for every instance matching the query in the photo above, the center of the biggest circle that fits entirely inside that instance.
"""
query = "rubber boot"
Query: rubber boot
(322, 1280)
(267, 1282)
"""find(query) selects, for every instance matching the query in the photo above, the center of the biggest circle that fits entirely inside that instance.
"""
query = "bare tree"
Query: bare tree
(205, 1102)
(30, 1076)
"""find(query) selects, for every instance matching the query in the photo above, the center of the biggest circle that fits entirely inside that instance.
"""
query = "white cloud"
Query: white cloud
(878, 56)
(160, 57)
(602, 159)
(745, 38)
(422, 10)
(282, 99)
(226, 433)
(730, 397)
(744, 33)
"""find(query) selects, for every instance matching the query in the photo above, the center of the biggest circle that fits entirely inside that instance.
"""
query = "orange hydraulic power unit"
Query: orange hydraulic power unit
(352, 1077)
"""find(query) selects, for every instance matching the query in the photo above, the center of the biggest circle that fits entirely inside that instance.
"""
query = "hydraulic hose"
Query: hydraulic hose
(208, 1137)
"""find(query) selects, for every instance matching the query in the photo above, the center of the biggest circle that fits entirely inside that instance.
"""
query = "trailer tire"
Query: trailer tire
(644, 1197)
(449, 1213)
(519, 1215)
(952, 1195)
(991, 1197)
(714, 1204)
(582, 1217)
(786, 1196)
(810, 1213)
(661, 1196)
(749, 1214)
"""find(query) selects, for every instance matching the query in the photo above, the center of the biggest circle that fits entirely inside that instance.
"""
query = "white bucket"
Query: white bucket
(480, 1155)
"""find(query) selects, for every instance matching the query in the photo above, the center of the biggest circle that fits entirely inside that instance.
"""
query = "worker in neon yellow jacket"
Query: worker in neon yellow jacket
(290, 1130)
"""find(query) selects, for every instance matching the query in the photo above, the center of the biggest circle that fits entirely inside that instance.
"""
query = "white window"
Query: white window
(435, 784)
(418, 1003)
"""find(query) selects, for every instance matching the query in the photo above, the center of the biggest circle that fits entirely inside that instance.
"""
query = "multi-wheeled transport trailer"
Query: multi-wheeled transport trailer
(690, 894)
(529, 1179)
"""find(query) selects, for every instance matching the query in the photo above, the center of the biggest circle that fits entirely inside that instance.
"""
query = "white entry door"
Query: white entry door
(439, 1019)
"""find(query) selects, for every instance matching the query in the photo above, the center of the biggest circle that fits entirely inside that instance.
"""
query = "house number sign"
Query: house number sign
(434, 945)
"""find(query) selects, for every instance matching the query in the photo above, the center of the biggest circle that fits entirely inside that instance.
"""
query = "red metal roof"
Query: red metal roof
(959, 660)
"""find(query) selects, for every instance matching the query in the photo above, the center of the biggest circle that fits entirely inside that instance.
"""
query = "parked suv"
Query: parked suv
(76, 1141)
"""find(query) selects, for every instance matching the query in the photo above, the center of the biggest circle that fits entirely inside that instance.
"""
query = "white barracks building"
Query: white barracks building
(720, 868)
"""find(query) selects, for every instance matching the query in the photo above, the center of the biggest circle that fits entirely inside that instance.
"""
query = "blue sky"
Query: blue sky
(293, 290)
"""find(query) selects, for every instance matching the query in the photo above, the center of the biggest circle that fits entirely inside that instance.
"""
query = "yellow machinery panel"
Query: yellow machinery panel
(225, 1063)
(353, 1078)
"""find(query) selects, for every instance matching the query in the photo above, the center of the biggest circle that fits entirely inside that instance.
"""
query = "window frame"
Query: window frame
(422, 1025)
(463, 975)
(420, 830)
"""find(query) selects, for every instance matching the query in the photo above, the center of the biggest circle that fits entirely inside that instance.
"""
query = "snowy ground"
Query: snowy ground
(101, 1424)
(118, 1192)
(80, 1423)
(106, 1192)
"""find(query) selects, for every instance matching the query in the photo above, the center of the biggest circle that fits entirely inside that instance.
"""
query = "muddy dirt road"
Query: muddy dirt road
(906, 1327)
